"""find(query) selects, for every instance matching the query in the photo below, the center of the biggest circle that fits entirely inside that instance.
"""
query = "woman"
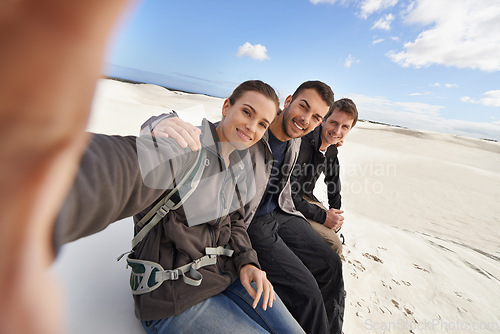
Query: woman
(186, 267)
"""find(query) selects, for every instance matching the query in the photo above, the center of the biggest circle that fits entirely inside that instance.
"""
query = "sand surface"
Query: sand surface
(421, 226)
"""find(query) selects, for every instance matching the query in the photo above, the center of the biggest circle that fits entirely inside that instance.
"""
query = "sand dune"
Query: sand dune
(422, 236)
(422, 216)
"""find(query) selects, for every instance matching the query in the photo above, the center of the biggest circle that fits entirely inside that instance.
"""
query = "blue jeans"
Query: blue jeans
(228, 312)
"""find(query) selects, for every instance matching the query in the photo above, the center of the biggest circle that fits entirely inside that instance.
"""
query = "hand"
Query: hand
(340, 143)
(334, 219)
(45, 104)
(182, 132)
(250, 273)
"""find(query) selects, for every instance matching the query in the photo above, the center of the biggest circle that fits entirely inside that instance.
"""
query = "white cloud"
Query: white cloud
(420, 94)
(350, 60)
(490, 99)
(371, 6)
(384, 22)
(459, 33)
(420, 116)
(256, 51)
(376, 41)
(446, 85)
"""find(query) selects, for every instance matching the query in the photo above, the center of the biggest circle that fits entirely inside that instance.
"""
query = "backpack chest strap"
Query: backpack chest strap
(146, 276)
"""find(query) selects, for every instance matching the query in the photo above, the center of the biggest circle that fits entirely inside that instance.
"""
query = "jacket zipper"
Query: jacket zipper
(212, 238)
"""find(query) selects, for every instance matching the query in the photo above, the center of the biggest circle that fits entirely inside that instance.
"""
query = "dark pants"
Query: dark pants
(305, 272)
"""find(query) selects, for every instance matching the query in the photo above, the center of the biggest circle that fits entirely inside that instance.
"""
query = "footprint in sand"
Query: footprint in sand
(387, 309)
(396, 303)
(386, 285)
(459, 294)
(372, 257)
(405, 310)
(408, 311)
(357, 265)
(406, 283)
(420, 268)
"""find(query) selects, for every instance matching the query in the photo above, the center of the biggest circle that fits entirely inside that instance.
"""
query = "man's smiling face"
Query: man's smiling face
(303, 114)
(336, 127)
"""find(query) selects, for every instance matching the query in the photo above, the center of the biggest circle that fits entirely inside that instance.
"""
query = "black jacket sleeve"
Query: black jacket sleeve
(332, 181)
(309, 210)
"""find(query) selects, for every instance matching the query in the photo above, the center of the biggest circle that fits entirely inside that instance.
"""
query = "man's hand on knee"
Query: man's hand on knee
(334, 219)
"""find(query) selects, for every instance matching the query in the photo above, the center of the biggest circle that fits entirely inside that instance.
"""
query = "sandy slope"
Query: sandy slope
(422, 234)
(422, 216)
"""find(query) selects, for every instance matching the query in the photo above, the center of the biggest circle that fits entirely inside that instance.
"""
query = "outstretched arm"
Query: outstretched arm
(51, 58)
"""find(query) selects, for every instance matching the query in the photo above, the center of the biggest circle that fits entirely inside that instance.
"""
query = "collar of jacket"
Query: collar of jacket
(210, 140)
(265, 140)
(315, 140)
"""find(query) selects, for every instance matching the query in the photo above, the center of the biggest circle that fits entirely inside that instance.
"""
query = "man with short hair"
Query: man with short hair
(318, 154)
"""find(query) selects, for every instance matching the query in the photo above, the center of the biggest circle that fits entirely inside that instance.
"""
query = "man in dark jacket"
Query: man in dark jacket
(318, 154)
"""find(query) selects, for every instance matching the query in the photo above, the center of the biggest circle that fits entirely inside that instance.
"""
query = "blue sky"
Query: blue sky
(423, 64)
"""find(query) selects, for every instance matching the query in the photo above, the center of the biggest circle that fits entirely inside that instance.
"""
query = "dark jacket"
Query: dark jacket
(110, 186)
(310, 164)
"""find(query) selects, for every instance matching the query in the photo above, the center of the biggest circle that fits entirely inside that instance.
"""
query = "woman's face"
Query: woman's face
(244, 123)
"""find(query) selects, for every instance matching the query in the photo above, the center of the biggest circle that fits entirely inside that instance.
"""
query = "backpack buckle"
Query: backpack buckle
(162, 212)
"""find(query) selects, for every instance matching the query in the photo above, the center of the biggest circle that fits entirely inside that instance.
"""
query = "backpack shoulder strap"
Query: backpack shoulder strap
(173, 200)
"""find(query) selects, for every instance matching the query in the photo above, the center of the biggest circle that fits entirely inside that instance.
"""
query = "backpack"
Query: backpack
(146, 276)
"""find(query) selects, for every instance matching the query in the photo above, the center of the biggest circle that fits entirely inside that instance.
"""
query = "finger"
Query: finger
(270, 295)
(192, 136)
(183, 133)
(178, 133)
(193, 143)
(159, 133)
(258, 293)
(267, 296)
(190, 133)
(273, 297)
(178, 138)
(169, 130)
(248, 287)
